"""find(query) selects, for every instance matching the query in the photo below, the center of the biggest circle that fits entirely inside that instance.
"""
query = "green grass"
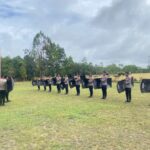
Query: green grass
(38, 120)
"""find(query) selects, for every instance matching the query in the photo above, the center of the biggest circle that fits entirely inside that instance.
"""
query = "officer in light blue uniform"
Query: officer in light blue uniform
(58, 82)
(128, 87)
(78, 82)
(104, 85)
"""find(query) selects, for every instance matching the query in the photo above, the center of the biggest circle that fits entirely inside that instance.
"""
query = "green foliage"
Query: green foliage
(48, 58)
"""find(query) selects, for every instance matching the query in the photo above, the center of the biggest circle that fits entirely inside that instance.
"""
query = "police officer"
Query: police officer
(58, 83)
(3, 88)
(44, 82)
(104, 85)
(78, 81)
(9, 85)
(50, 83)
(66, 82)
(90, 85)
(128, 86)
(38, 83)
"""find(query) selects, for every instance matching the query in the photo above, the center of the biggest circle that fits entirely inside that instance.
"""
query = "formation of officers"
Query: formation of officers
(76, 82)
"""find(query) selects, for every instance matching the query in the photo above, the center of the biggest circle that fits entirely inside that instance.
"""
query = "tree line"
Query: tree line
(47, 58)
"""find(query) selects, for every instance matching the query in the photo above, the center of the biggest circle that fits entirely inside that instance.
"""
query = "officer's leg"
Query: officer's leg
(130, 95)
(57, 88)
(90, 91)
(44, 87)
(66, 88)
(79, 90)
(102, 92)
(7, 96)
(3, 97)
(0, 101)
(50, 87)
(105, 92)
(126, 92)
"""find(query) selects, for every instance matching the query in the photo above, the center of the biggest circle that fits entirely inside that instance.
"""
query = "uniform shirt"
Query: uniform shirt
(66, 80)
(58, 79)
(128, 82)
(104, 80)
(90, 81)
(38, 82)
(50, 81)
(3, 85)
(77, 81)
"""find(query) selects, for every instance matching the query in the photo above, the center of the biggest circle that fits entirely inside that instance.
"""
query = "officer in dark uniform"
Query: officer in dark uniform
(66, 82)
(90, 85)
(78, 81)
(128, 87)
(104, 85)
(58, 83)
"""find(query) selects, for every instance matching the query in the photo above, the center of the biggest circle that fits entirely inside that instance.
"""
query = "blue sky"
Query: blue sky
(103, 31)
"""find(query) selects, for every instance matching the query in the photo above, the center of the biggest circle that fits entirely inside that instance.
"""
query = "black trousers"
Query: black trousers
(58, 88)
(66, 88)
(38, 87)
(44, 87)
(2, 97)
(50, 87)
(104, 91)
(91, 90)
(78, 89)
(128, 94)
(7, 96)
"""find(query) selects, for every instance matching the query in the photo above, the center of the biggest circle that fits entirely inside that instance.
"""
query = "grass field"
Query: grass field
(47, 121)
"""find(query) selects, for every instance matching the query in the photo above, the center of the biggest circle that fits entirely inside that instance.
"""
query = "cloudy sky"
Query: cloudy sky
(103, 31)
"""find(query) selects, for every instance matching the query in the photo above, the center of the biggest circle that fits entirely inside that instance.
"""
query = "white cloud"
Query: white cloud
(105, 31)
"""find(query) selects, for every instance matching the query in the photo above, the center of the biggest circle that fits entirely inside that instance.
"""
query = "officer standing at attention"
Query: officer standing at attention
(3, 88)
(50, 83)
(38, 83)
(66, 81)
(58, 82)
(44, 83)
(9, 87)
(128, 86)
(78, 81)
(104, 85)
(90, 85)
